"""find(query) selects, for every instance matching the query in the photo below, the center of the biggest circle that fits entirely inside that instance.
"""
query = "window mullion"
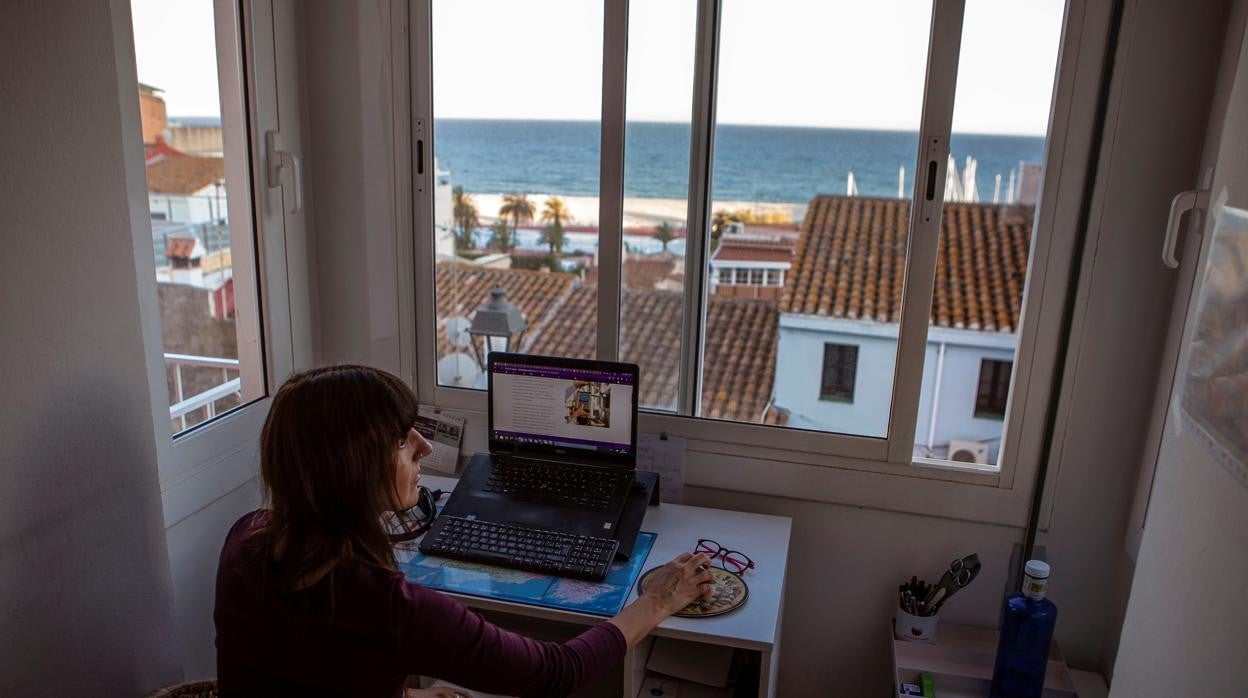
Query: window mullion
(701, 150)
(611, 183)
(944, 48)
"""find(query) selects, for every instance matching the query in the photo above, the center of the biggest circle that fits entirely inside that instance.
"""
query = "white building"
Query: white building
(837, 343)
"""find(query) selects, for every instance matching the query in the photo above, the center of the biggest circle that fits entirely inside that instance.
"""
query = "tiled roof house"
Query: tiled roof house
(850, 263)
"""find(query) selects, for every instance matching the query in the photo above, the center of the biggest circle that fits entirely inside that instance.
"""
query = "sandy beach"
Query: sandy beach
(637, 212)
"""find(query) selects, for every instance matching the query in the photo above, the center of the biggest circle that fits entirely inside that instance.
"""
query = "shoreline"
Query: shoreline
(638, 212)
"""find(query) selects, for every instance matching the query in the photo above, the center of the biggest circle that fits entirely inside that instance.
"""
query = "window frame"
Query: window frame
(255, 42)
(819, 465)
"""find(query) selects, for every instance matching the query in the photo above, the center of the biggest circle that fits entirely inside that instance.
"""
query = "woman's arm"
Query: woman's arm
(440, 637)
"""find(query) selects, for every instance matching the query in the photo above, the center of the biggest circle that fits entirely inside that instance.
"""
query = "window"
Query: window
(840, 368)
(515, 136)
(732, 146)
(198, 160)
(994, 388)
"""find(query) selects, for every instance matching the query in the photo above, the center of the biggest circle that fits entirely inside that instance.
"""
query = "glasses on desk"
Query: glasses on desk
(731, 560)
(413, 522)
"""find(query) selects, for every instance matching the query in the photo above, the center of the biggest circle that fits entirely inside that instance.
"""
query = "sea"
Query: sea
(768, 164)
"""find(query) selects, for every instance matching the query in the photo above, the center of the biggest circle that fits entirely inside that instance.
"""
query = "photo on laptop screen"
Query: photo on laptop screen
(545, 404)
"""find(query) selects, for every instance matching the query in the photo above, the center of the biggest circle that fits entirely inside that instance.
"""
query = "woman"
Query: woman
(310, 600)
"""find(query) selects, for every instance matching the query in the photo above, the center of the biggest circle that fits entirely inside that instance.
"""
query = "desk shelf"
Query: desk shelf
(961, 661)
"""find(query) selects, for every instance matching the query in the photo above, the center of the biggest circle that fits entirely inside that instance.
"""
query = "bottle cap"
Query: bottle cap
(1036, 569)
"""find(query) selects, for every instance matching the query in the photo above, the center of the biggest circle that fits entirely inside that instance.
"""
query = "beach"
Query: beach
(638, 212)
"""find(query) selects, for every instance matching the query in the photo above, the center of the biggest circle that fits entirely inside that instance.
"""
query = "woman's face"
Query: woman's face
(412, 448)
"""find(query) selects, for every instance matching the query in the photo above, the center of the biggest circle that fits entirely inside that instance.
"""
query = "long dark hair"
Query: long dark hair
(327, 459)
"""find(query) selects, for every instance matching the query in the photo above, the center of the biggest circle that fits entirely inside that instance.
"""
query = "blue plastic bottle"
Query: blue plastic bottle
(1026, 632)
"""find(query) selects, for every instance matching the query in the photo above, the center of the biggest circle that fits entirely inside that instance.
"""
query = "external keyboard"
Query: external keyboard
(533, 549)
(540, 481)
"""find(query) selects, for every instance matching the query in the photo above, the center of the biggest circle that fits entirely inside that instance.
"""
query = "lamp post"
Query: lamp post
(498, 325)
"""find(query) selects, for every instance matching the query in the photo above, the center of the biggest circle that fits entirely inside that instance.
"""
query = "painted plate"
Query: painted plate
(730, 594)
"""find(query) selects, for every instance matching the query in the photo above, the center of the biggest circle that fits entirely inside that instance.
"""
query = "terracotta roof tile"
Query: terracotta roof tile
(462, 288)
(646, 273)
(850, 262)
(183, 175)
(740, 347)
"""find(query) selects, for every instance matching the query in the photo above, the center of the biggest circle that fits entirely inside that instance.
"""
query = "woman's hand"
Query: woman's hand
(681, 582)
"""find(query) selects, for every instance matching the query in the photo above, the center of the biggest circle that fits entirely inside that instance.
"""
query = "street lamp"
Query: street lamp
(498, 324)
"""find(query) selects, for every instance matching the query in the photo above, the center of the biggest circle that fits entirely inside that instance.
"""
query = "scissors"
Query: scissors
(961, 572)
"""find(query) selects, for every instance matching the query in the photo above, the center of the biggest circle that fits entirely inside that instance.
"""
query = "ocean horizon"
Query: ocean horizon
(765, 164)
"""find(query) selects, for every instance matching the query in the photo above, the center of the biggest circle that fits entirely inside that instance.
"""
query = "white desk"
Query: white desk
(754, 627)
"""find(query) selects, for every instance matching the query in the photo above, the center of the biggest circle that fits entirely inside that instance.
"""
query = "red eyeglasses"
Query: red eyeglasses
(731, 560)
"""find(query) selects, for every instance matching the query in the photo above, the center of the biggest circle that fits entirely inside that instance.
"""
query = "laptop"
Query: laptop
(563, 445)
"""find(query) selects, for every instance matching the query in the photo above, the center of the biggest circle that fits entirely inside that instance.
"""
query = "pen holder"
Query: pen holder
(907, 626)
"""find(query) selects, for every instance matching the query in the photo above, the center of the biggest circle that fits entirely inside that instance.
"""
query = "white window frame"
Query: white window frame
(201, 464)
(822, 466)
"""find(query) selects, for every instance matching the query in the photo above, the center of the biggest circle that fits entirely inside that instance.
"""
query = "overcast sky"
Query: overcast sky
(855, 64)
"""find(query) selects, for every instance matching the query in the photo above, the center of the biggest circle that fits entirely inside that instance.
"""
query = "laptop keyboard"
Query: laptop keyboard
(570, 485)
(533, 549)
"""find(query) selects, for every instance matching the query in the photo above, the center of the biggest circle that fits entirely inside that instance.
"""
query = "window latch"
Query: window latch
(277, 159)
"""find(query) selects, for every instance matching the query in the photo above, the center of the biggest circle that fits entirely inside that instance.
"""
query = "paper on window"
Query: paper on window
(445, 432)
(664, 455)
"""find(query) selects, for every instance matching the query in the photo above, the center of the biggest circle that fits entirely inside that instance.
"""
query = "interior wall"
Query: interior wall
(1183, 633)
(347, 79)
(1163, 80)
(85, 600)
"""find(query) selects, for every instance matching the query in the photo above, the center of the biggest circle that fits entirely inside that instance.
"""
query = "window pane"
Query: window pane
(201, 228)
(656, 190)
(818, 112)
(992, 189)
(516, 136)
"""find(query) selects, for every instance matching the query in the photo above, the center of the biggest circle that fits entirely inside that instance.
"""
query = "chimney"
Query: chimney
(151, 113)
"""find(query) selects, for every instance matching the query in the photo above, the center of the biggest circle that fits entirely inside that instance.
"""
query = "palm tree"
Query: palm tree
(500, 236)
(664, 234)
(555, 211)
(464, 211)
(519, 208)
(553, 236)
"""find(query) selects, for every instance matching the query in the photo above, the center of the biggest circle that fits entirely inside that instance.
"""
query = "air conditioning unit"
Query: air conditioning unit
(968, 451)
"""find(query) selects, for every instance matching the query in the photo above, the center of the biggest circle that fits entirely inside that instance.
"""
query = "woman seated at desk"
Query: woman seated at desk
(310, 600)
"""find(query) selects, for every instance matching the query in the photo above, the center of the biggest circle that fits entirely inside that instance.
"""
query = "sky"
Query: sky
(830, 63)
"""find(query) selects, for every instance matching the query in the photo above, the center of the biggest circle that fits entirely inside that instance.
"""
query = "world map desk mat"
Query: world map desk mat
(604, 598)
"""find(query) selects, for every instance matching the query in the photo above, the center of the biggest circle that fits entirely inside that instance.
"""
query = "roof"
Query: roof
(851, 256)
(740, 347)
(462, 288)
(646, 273)
(740, 248)
(160, 150)
(183, 175)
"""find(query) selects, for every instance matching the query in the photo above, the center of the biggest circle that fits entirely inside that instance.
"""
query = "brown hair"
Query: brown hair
(327, 460)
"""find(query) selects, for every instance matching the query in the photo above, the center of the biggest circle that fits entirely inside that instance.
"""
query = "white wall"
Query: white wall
(1159, 102)
(85, 600)
(1184, 628)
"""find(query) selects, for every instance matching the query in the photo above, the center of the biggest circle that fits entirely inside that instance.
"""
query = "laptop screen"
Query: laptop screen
(563, 407)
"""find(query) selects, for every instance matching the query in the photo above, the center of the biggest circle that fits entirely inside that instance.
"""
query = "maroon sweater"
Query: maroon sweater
(364, 628)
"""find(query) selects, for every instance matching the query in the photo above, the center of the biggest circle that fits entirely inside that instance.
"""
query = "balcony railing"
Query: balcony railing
(203, 402)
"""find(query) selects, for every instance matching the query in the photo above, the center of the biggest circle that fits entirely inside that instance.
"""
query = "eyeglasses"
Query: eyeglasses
(407, 526)
(731, 560)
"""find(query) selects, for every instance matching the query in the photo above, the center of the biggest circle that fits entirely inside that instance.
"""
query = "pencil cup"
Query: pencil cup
(907, 626)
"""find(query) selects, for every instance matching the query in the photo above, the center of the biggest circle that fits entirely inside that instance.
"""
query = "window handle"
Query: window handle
(1183, 202)
(278, 159)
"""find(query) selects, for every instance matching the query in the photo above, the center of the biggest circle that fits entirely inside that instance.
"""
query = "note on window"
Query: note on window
(664, 455)
(444, 431)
